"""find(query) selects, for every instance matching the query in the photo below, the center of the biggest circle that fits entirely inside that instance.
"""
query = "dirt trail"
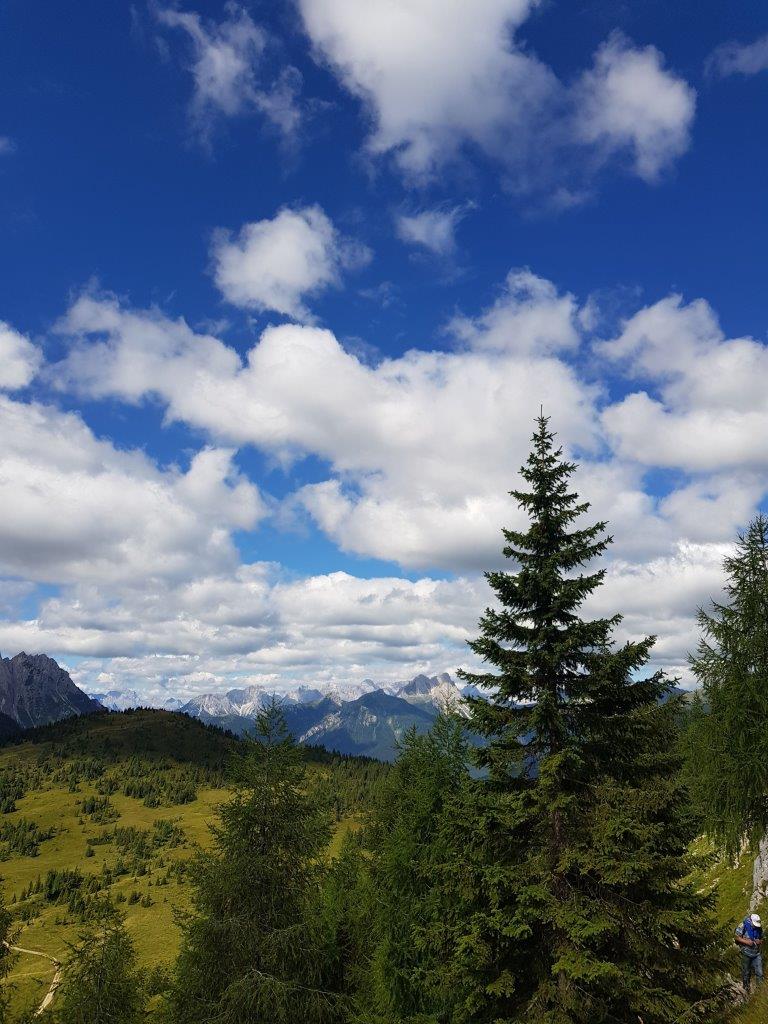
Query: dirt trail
(56, 977)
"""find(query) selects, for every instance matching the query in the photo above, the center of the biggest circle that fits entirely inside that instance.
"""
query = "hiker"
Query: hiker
(749, 935)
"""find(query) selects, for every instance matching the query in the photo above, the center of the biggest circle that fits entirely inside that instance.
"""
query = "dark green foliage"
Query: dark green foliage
(157, 980)
(7, 958)
(22, 838)
(99, 809)
(576, 905)
(163, 784)
(253, 949)
(348, 784)
(101, 981)
(15, 781)
(727, 740)
(59, 884)
(400, 921)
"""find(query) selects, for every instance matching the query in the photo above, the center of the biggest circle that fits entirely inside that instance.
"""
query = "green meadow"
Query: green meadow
(76, 778)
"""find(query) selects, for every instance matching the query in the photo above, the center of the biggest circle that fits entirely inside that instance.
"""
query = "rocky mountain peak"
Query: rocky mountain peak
(35, 690)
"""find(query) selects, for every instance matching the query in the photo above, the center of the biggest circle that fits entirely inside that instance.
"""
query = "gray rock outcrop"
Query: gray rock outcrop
(34, 690)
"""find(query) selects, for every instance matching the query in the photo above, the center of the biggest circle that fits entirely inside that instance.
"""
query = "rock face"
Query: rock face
(371, 725)
(760, 876)
(34, 690)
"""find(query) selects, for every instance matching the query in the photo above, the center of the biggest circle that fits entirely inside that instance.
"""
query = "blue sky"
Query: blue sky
(285, 283)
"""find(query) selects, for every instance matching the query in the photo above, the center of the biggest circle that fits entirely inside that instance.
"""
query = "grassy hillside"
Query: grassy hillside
(117, 804)
(732, 885)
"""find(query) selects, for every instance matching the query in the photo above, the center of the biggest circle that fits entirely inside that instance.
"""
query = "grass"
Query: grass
(732, 885)
(153, 928)
(164, 742)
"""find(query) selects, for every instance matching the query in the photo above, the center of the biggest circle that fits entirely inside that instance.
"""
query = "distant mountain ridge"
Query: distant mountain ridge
(126, 700)
(35, 690)
(356, 718)
(359, 718)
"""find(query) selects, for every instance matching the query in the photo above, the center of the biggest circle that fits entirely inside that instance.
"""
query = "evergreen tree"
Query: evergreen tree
(406, 841)
(579, 909)
(729, 744)
(254, 950)
(101, 982)
(7, 957)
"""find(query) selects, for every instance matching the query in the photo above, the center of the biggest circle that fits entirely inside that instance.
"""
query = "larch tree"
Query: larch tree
(254, 948)
(579, 910)
(102, 984)
(729, 736)
(409, 846)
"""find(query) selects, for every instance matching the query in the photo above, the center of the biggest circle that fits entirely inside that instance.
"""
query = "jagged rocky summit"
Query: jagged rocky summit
(34, 690)
(360, 718)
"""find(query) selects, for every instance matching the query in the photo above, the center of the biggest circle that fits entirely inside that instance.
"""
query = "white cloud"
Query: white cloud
(529, 316)
(434, 230)
(259, 624)
(75, 508)
(707, 408)
(7, 145)
(434, 74)
(275, 264)
(629, 102)
(424, 440)
(255, 625)
(421, 450)
(440, 76)
(659, 597)
(227, 74)
(740, 58)
(19, 358)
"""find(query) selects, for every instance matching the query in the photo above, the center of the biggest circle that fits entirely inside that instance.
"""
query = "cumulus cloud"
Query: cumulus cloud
(75, 508)
(628, 102)
(259, 625)
(430, 441)
(226, 68)
(529, 316)
(7, 145)
(659, 597)
(434, 74)
(740, 58)
(255, 625)
(434, 230)
(706, 407)
(438, 77)
(275, 264)
(19, 358)
(420, 451)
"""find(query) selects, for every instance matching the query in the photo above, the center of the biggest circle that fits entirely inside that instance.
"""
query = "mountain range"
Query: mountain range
(126, 700)
(358, 718)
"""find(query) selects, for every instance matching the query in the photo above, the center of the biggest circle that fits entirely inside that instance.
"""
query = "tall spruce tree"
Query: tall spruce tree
(578, 909)
(254, 948)
(729, 744)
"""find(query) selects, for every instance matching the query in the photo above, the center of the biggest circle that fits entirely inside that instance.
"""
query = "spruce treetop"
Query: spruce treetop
(555, 670)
